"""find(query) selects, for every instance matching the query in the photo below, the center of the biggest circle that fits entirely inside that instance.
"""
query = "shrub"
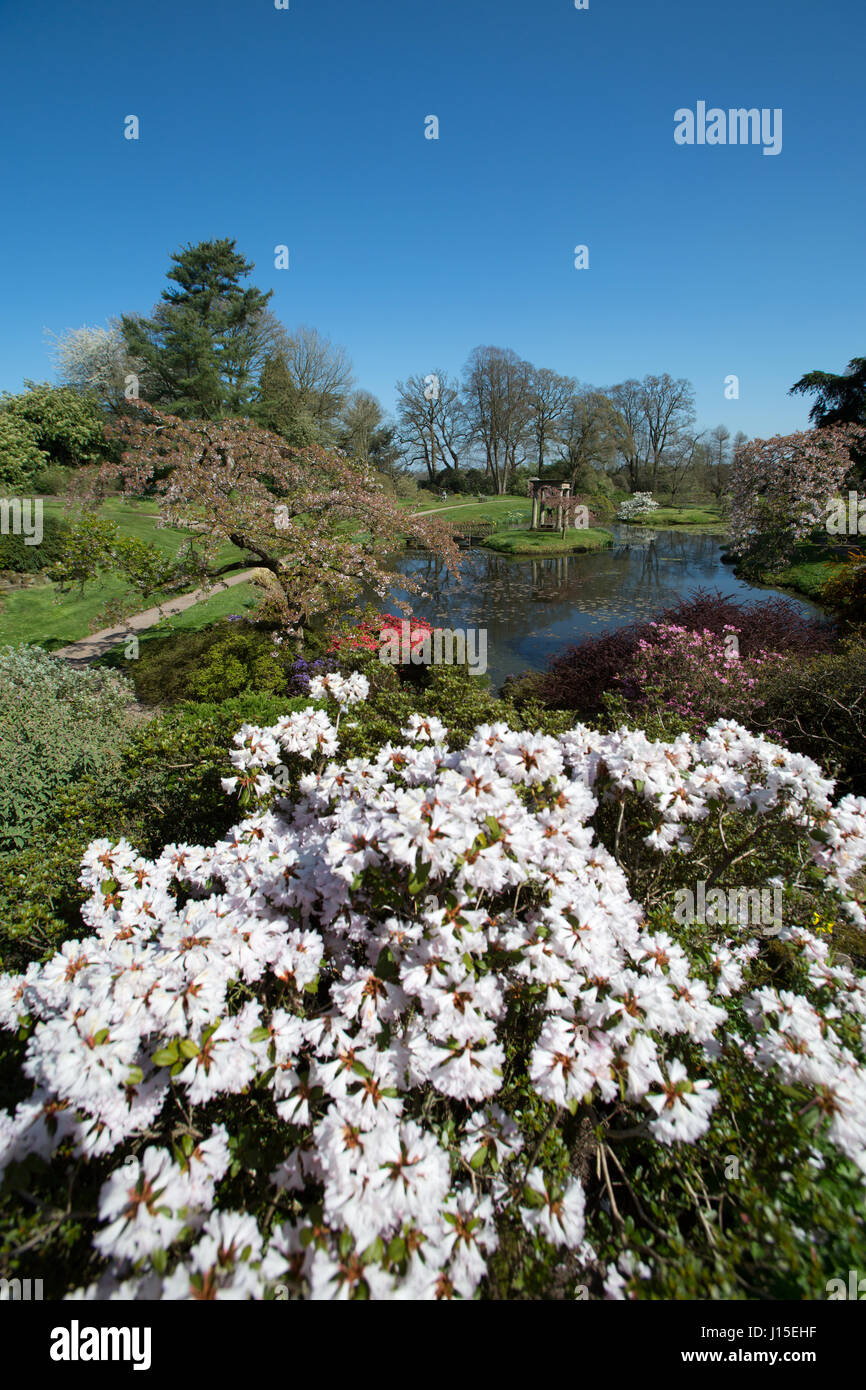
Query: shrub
(164, 784)
(20, 455)
(228, 659)
(818, 707)
(391, 1039)
(68, 425)
(52, 482)
(33, 559)
(406, 488)
(699, 675)
(845, 589)
(640, 504)
(56, 723)
(365, 634)
(601, 507)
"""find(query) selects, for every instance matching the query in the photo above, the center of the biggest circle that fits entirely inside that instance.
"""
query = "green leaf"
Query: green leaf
(166, 1056)
(135, 1076)
(374, 1252)
(418, 878)
(259, 1035)
(188, 1048)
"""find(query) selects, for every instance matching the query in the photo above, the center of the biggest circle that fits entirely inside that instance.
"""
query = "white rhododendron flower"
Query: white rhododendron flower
(347, 963)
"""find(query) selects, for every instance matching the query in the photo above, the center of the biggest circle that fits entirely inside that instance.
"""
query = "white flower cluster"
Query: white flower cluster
(639, 504)
(348, 962)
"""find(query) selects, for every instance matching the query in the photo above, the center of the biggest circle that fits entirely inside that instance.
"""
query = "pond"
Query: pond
(533, 608)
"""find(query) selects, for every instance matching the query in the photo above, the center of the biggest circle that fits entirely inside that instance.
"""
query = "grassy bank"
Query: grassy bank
(707, 520)
(807, 577)
(549, 543)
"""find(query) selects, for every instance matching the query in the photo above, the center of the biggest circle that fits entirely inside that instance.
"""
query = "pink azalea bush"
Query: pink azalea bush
(344, 976)
(698, 675)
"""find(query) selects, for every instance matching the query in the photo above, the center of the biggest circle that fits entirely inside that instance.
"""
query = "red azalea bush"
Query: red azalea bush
(366, 635)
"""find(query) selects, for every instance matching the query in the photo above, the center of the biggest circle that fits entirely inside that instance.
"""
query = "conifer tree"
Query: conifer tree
(202, 339)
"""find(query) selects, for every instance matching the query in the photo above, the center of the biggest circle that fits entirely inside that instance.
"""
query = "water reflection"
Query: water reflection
(532, 608)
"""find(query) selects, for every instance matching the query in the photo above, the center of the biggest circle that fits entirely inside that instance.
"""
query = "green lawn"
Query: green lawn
(239, 599)
(705, 518)
(45, 616)
(548, 542)
(491, 509)
(808, 577)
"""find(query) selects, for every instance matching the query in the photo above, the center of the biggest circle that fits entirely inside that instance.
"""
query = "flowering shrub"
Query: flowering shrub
(314, 1054)
(700, 676)
(639, 504)
(367, 635)
(301, 672)
(579, 677)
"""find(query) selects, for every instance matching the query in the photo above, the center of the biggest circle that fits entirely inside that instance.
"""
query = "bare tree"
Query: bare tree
(588, 433)
(550, 396)
(657, 413)
(719, 460)
(683, 459)
(496, 398)
(322, 373)
(431, 421)
(627, 400)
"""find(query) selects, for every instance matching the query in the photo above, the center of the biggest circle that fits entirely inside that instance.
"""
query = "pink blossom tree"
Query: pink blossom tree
(782, 488)
(317, 525)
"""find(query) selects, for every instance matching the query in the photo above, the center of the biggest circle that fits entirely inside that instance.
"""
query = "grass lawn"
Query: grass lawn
(51, 619)
(235, 600)
(706, 518)
(491, 509)
(808, 577)
(238, 599)
(549, 543)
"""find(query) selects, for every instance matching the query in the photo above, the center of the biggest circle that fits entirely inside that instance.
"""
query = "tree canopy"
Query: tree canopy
(203, 338)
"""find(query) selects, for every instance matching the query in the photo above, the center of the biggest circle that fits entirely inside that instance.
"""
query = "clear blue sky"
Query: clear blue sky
(306, 127)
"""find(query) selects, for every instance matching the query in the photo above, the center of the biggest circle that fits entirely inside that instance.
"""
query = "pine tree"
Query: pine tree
(202, 338)
(280, 407)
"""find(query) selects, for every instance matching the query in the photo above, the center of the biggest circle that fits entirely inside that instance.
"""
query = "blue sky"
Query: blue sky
(306, 127)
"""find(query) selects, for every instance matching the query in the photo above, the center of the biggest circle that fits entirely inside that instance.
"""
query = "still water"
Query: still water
(533, 608)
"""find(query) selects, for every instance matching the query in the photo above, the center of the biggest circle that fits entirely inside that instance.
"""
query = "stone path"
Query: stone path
(98, 643)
